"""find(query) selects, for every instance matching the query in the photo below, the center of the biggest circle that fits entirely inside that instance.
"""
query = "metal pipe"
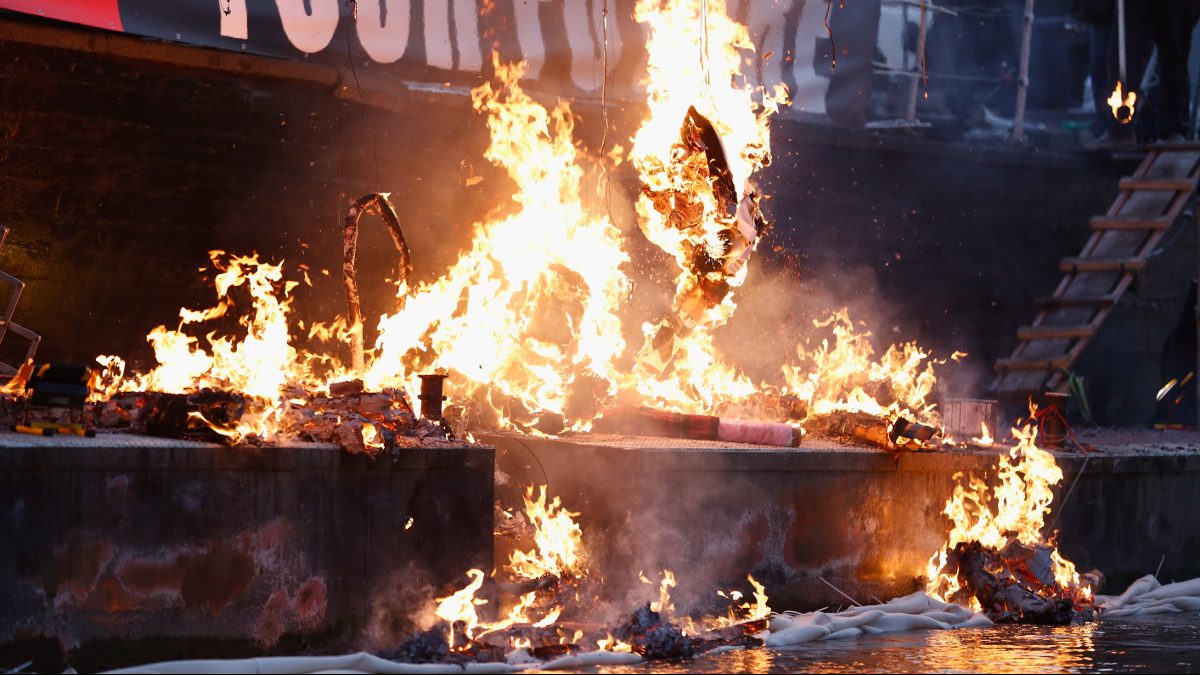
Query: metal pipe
(431, 396)
(1023, 80)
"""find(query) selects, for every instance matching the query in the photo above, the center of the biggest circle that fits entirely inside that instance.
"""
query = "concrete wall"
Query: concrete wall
(115, 552)
(865, 520)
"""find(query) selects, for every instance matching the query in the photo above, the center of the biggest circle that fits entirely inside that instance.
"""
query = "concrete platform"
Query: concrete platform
(864, 519)
(125, 549)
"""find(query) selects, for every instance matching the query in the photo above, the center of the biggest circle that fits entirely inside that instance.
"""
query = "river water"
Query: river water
(1154, 645)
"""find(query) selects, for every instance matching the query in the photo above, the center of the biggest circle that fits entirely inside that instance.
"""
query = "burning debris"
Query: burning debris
(528, 321)
(1016, 584)
(996, 558)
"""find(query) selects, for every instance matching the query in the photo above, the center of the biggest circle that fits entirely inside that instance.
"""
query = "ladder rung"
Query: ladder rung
(1010, 364)
(1077, 301)
(1101, 264)
(1166, 184)
(1118, 223)
(1054, 332)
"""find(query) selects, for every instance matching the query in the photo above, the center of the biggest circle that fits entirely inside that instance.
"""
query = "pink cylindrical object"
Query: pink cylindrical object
(756, 433)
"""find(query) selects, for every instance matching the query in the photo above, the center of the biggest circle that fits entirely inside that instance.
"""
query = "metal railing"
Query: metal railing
(919, 75)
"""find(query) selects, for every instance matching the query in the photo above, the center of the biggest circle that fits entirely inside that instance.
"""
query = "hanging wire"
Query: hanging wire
(604, 172)
(829, 31)
(924, 73)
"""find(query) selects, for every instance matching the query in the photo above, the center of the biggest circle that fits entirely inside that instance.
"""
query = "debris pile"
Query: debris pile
(997, 558)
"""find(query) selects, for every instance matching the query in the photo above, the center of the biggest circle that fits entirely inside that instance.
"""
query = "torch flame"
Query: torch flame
(1122, 107)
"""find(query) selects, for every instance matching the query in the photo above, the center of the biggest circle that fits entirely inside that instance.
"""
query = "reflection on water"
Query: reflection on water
(1162, 645)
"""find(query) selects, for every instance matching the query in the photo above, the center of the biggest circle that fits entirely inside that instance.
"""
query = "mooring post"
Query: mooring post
(1023, 79)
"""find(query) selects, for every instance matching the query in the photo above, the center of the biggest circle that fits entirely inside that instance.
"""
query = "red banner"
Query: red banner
(98, 13)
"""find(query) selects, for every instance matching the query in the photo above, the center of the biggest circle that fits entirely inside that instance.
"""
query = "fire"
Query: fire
(664, 605)
(259, 364)
(528, 320)
(703, 220)
(611, 644)
(557, 554)
(1122, 107)
(984, 439)
(737, 614)
(371, 436)
(1016, 508)
(558, 540)
(531, 306)
(459, 608)
(845, 376)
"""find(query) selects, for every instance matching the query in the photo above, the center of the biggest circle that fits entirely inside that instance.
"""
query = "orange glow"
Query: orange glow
(1123, 108)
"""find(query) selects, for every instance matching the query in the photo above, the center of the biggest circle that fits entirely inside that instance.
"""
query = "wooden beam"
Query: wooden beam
(1118, 223)
(1161, 184)
(1077, 301)
(1052, 363)
(1054, 332)
(1101, 264)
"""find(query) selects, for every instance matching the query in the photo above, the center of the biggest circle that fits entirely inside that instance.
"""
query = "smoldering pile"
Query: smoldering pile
(353, 419)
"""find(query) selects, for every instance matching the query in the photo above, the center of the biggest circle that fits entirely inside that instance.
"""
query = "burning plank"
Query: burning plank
(889, 434)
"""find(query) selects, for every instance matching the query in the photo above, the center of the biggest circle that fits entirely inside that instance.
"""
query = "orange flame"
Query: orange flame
(984, 439)
(530, 313)
(1122, 107)
(846, 376)
(1021, 498)
(695, 60)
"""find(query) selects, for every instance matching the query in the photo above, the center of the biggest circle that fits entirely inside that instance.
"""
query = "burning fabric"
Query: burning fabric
(997, 559)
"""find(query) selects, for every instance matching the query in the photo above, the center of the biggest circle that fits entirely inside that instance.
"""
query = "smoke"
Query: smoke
(401, 606)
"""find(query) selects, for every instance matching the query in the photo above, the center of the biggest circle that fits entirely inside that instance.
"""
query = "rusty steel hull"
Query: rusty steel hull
(864, 520)
(121, 549)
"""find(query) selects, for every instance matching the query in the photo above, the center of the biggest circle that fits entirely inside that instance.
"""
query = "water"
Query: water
(1156, 645)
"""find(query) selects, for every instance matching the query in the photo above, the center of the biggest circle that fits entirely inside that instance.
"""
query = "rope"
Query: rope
(1051, 412)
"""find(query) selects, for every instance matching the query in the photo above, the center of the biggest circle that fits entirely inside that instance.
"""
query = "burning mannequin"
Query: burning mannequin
(719, 232)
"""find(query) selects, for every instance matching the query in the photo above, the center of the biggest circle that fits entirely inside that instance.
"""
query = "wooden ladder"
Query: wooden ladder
(1093, 282)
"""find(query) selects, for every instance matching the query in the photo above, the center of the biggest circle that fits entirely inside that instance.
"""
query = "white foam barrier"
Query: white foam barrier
(789, 630)
(1146, 597)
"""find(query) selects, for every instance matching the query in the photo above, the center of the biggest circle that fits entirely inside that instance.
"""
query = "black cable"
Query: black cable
(545, 476)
